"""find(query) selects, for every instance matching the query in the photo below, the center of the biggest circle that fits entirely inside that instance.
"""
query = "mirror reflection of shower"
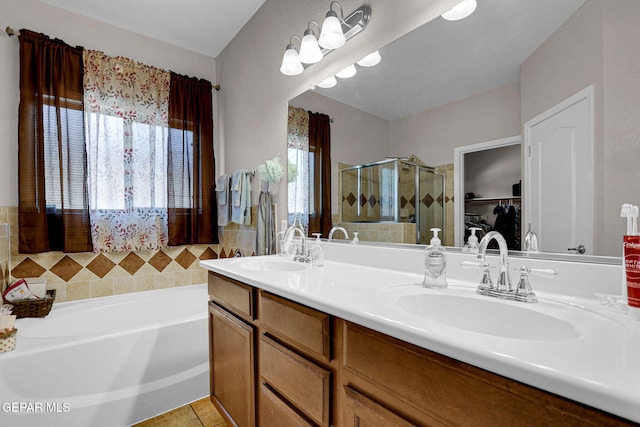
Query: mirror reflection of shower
(401, 194)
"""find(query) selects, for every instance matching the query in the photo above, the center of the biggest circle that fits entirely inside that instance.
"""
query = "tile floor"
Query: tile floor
(200, 413)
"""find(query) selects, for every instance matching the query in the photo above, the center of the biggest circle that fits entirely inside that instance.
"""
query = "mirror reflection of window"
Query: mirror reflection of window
(309, 150)
(298, 155)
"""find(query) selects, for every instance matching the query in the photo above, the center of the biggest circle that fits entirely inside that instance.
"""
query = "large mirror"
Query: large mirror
(448, 85)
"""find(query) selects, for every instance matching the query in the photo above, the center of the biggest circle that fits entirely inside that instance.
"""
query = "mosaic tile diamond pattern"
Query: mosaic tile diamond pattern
(208, 254)
(160, 261)
(131, 263)
(66, 268)
(28, 268)
(100, 266)
(185, 259)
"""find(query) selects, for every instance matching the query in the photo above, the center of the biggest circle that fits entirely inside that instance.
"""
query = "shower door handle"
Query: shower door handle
(581, 249)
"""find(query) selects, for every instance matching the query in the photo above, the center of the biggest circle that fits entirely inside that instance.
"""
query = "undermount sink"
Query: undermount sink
(272, 265)
(465, 310)
(489, 317)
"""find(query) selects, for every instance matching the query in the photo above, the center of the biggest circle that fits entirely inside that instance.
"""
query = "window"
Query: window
(99, 167)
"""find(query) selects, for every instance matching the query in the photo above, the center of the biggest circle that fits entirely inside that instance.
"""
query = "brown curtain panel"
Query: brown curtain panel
(320, 146)
(53, 203)
(191, 168)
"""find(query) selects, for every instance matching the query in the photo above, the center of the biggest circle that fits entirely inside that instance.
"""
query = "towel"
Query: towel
(241, 197)
(222, 196)
(265, 231)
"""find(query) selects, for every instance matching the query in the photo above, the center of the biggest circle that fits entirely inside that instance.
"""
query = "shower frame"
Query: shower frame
(396, 161)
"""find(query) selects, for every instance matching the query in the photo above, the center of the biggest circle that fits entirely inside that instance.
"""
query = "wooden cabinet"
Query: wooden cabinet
(301, 383)
(275, 362)
(359, 411)
(275, 412)
(421, 387)
(271, 359)
(232, 366)
(296, 324)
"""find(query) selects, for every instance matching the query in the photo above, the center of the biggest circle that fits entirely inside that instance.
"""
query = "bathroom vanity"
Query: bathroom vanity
(293, 345)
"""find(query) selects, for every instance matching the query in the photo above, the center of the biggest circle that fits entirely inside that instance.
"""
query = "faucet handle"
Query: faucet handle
(523, 290)
(486, 283)
(475, 264)
(541, 272)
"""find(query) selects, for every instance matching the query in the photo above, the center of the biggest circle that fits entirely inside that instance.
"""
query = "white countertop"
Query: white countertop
(598, 364)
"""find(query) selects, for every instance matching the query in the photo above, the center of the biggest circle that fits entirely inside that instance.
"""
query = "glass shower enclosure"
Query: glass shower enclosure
(393, 191)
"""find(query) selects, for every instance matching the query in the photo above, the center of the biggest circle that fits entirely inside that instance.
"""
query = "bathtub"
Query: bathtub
(110, 361)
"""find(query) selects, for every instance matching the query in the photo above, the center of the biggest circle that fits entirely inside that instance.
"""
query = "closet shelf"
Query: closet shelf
(493, 199)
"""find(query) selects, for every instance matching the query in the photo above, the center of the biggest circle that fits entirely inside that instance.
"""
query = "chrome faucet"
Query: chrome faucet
(503, 288)
(300, 253)
(334, 229)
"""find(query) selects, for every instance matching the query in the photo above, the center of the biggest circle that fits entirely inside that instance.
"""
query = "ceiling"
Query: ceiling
(444, 61)
(203, 26)
(433, 65)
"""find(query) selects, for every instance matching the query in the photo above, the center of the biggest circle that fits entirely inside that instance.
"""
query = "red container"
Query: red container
(632, 269)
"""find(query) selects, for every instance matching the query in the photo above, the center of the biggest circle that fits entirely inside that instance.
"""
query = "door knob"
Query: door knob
(581, 249)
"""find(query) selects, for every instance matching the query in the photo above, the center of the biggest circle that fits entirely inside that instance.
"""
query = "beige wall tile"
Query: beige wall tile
(123, 285)
(101, 288)
(144, 282)
(163, 281)
(78, 290)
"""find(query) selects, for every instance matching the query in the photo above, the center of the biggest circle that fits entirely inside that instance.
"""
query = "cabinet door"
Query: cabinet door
(232, 365)
(359, 411)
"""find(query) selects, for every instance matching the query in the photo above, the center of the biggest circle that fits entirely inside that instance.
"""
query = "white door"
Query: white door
(559, 175)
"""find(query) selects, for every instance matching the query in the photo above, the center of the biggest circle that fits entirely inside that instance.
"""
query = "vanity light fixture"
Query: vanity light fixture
(370, 60)
(347, 72)
(331, 36)
(310, 51)
(327, 83)
(460, 11)
(291, 65)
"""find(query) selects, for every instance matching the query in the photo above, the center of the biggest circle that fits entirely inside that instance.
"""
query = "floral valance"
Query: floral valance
(118, 86)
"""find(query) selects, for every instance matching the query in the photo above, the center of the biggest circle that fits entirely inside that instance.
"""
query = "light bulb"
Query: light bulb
(331, 36)
(291, 65)
(461, 10)
(328, 82)
(370, 60)
(310, 52)
(347, 72)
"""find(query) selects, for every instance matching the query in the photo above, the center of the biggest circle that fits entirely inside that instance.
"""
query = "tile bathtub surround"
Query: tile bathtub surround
(88, 275)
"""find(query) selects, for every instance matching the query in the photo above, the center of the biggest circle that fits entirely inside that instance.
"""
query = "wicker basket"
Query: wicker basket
(8, 341)
(32, 308)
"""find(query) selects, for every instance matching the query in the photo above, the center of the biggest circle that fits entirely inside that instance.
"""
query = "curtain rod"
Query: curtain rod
(11, 32)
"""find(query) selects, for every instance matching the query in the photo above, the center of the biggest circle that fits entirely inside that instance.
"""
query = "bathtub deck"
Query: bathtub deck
(200, 413)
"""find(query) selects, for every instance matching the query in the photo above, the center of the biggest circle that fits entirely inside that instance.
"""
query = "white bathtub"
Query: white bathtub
(110, 361)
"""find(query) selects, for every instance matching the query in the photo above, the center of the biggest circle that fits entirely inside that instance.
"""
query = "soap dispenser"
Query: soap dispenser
(435, 263)
(316, 253)
(472, 242)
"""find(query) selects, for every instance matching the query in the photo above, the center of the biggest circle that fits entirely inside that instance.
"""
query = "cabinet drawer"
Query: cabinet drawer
(235, 297)
(298, 380)
(363, 412)
(273, 411)
(299, 325)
